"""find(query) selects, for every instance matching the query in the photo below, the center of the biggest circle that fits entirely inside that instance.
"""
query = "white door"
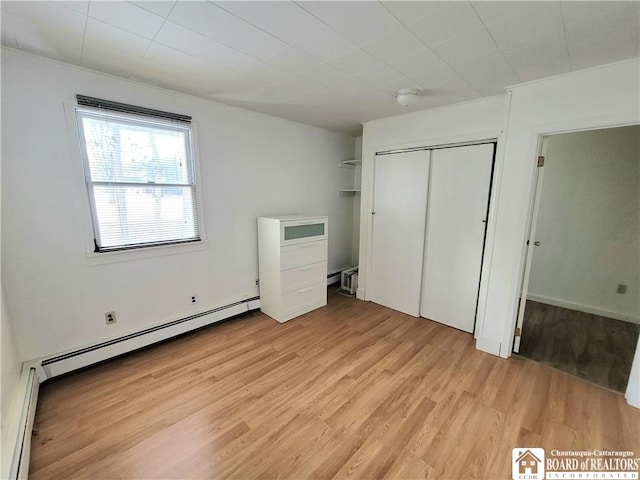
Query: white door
(399, 212)
(531, 243)
(456, 221)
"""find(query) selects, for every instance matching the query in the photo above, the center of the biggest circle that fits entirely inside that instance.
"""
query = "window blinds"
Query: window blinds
(140, 176)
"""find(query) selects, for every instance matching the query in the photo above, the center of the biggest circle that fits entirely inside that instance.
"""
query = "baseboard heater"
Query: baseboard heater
(83, 357)
(30, 386)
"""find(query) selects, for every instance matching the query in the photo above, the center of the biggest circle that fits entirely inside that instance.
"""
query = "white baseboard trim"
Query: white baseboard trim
(19, 438)
(333, 278)
(89, 355)
(556, 302)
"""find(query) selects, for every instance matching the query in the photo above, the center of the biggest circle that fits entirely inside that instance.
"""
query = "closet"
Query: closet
(430, 210)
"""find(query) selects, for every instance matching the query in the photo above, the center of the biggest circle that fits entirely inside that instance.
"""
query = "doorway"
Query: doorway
(580, 304)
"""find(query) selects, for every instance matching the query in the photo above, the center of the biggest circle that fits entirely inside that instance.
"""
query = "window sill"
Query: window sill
(142, 253)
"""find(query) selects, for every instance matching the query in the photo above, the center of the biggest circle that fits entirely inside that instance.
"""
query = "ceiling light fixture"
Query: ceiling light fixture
(407, 96)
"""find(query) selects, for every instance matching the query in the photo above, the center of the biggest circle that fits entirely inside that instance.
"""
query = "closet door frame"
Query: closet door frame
(367, 209)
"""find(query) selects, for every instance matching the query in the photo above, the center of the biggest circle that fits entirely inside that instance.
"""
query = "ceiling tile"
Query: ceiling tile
(316, 98)
(126, 16)
(419, 63)
(525, 25)
(180, 38)
(284, 20)
(81, 6)
(48, 14)
(162, 8)
(578, 12)
(539, 57)
(412, 11)
(349, 86)
(35, 38)
(269, 74)
(365, 23)
(380, 75)
(453, 20)
(460, 49)
(114, 37)
(489, 73)
(220, 25)
(449, 94)
(325, 74)
(187, 64)
(355, 62)
(190, 85)
(293, 60)
(102, 58)
(293, 88)
(260, 54)
(495, 11)
(395, 45)
(443, 80)
(326, 11)
(244, 88)
(394, 86)
(603, 40)
(324, 43)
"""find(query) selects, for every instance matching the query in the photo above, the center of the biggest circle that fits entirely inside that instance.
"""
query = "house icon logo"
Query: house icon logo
(527, 463)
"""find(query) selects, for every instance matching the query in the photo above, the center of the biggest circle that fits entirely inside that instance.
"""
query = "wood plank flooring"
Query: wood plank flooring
(352, 390)
(595, 348)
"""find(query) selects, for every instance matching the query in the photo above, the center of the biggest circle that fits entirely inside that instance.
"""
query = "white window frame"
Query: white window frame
(86, 201)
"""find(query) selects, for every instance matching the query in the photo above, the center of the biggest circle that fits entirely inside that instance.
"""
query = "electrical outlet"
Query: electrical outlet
(110, 317)
(622, 288)
(194, 299)
(257, 282)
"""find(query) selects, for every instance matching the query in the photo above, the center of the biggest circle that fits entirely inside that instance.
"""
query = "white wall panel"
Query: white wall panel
(250, 165)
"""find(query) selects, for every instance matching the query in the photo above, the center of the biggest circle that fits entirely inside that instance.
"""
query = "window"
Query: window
(139, 170)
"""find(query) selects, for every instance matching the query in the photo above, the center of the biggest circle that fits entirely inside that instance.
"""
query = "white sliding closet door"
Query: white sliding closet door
(400, 207)
(458, 200)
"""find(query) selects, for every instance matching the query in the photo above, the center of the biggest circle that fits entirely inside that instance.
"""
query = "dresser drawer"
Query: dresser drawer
(303, 230)
(303, 275)
(298, 255)
(304, 299)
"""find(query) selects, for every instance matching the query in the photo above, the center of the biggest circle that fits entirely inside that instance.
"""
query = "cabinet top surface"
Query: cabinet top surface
(287, 218)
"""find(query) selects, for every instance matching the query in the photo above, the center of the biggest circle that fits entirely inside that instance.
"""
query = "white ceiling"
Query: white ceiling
(327, 63)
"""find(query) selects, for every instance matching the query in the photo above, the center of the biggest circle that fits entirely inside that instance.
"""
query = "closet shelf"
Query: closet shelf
(350, 163)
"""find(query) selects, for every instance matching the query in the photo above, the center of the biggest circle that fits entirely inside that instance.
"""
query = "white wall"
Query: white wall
(598, 97)
(588, 223)
(11, 365)
(250, 165)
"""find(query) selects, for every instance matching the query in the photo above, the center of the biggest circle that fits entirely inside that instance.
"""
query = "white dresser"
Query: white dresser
(292, 252)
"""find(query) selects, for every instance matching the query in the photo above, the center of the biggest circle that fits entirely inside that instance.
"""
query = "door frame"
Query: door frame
(531, 233)
(496, 174)
(539, 134)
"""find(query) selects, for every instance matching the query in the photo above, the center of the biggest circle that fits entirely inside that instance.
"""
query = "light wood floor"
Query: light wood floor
(598, 349)
(351, 390)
